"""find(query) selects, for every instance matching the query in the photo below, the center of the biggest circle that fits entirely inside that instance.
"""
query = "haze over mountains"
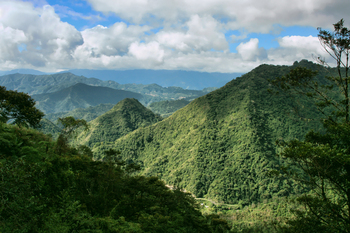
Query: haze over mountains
(193, 80)
(80, 95)
(54, 90)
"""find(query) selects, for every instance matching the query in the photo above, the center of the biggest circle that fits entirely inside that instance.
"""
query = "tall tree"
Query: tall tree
(321, 163)
(19, 107)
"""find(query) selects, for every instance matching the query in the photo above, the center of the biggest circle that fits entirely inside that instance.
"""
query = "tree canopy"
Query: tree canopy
(321, 162)
(19, 107)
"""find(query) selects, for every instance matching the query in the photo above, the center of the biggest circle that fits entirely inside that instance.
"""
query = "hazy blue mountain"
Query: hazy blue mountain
(40, 84)
(81, 96)
(22, 71)
(186, 79)
(87, 114)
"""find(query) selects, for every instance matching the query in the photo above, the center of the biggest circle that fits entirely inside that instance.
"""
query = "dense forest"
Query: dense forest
(220, 145)
(49, 186)
(268, 152)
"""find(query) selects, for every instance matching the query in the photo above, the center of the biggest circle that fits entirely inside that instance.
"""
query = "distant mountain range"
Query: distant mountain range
(80, 95)
(185, 79)
(47, 84)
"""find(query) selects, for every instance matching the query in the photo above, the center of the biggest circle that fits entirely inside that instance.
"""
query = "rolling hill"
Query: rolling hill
(221, 145)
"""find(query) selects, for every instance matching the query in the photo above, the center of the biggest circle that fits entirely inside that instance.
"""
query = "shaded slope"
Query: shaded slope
(80, 96)
(221, 145)
(48, 127)
(123, 118)
(87, 114)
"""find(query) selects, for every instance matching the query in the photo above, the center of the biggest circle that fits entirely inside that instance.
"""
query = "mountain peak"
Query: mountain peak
(126, 116)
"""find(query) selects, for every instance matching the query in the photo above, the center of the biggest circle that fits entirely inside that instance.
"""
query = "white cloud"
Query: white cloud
(253, 15)
(46, 38)
(190, 34)
(250, 50)
(296, 48)
(147, 52)
(111, 41)
(200, 34)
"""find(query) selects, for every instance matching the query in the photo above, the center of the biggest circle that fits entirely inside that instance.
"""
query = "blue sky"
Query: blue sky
(208, 35)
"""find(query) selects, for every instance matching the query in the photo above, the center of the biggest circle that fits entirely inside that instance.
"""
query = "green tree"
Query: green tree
(321, 163)
(69, 129)
(19, 107)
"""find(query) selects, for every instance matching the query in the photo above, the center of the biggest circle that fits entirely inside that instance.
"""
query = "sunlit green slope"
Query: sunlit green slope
(221, 145)
(123, 118)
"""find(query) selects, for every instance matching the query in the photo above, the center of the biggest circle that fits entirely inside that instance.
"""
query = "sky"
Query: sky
(225, 36)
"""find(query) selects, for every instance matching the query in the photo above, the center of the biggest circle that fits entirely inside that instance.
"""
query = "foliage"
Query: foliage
(88, 114)
(42, 191)
(70, 125)
(123, 118)
(221, 145)
(321, 162)
(166, 108)
(19, 107)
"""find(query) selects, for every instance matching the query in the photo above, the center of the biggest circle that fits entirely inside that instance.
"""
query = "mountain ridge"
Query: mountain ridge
(126, 116)
(220, 145)
(80, 96)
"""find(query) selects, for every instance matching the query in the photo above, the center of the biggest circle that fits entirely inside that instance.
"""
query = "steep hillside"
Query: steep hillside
(221, 145)
(123, 118)
(167, 107)
(80, 96)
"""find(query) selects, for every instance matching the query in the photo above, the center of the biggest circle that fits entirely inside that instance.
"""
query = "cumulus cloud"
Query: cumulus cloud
(155, 34)
(147, 52)
(40, 31)
(111, 41)
(254, 15)
(250, 50)
(200, 34)
(293, 48)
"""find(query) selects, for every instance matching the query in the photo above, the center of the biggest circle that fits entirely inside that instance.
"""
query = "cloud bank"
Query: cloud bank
(156, 34)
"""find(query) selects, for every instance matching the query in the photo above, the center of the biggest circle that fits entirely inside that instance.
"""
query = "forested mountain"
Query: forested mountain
(80, 96)
(88, 114)
(49, 186)
(123, 118)
(41, 84)
(185, 79)
(167, 107)
(222, 144)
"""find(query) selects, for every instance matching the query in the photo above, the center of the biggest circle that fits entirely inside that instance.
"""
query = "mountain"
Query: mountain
(80, 96)
(88, 114)
(22, 71)
(185, 79)
(123, 118)
(221, 145)
(41, 84)
(167, 107)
